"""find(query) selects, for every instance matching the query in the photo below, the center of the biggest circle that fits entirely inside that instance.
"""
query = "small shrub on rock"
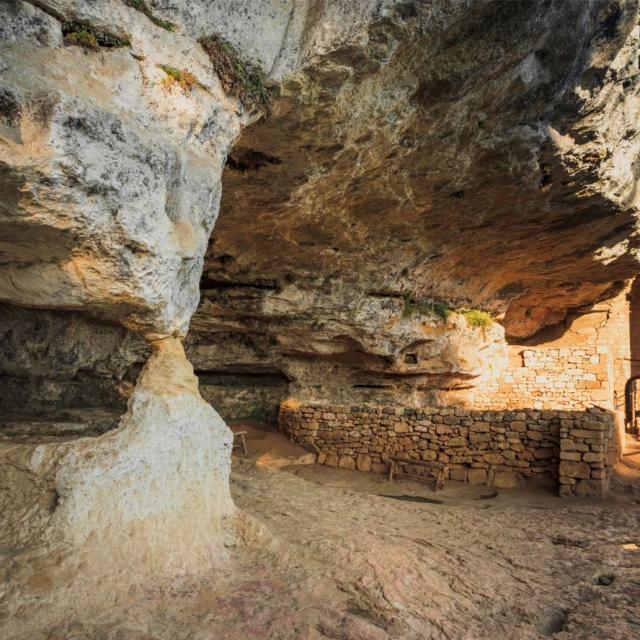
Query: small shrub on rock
(477, 318)
(87, 36)
(182, 77)
(239, 78)
(443, 311)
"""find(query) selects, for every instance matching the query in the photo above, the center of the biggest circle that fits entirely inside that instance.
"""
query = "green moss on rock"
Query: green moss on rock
(426, 306)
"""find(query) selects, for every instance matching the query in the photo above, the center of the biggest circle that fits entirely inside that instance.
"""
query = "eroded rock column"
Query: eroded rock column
(153, 493)
(114, 129)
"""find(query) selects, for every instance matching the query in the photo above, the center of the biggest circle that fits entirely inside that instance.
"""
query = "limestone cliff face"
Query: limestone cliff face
(419, 160)
(110, 171)
(481, 153)
(478, 153)
(114, 129)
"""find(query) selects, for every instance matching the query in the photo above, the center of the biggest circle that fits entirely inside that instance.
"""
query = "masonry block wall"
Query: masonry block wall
(549, 378)
(570, 379)
(586, 453)
(586, 361)
(499, 448)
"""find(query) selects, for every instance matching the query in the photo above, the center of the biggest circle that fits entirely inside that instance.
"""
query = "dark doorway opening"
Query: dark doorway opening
(632, 405)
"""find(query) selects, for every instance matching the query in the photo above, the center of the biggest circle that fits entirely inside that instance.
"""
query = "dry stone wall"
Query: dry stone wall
(586, 453)
(499, 448)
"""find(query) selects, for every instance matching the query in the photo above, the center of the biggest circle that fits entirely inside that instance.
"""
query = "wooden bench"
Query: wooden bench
(437, 469)
(243, 441)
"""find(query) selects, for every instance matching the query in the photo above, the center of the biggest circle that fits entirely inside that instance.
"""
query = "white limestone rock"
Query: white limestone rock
(110, 172)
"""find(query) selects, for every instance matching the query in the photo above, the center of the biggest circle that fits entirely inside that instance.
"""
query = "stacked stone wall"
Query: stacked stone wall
(586, 454)
(565, 378)
(499, 448)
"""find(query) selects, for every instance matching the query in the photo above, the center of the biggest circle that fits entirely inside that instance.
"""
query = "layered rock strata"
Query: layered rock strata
(423, 164)
(484, 154)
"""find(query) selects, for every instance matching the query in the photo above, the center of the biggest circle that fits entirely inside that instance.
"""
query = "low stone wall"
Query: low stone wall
(498, 448)
(586, 453)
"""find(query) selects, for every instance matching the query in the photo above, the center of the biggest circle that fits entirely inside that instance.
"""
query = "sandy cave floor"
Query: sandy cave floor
(336, 557)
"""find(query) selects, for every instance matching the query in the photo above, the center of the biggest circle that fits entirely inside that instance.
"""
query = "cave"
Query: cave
(319, 319)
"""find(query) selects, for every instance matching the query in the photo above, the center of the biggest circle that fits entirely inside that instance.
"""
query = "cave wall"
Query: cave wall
(52, 361)
(109, 188)
(478, 154)
(309, 340)
(474, 156)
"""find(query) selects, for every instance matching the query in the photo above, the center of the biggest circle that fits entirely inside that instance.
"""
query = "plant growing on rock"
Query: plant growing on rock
(427, 306)
(144, 8)
(182, 77)
(477, 318)
(442, 311)
(82, 34)
(239, 78)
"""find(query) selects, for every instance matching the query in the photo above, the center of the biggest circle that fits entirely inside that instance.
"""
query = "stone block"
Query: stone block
(568, 444)
(507, 480)
(595, 425)
(363, 462)
(573, 469)
(581, 433)
(590, 487)
(331, 460)
(346, 462)
(544, 453)
(477, 476)
(571, 455)
(459, 474)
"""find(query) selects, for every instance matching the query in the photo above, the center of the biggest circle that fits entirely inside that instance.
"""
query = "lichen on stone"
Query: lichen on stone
(240, 78)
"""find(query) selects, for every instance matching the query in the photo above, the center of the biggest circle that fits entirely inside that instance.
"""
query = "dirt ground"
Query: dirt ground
(349, 556)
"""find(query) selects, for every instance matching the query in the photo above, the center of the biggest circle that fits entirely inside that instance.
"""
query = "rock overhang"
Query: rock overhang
(485, 158)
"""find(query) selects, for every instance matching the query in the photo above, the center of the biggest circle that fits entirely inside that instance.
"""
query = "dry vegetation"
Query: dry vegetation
(239, 78)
